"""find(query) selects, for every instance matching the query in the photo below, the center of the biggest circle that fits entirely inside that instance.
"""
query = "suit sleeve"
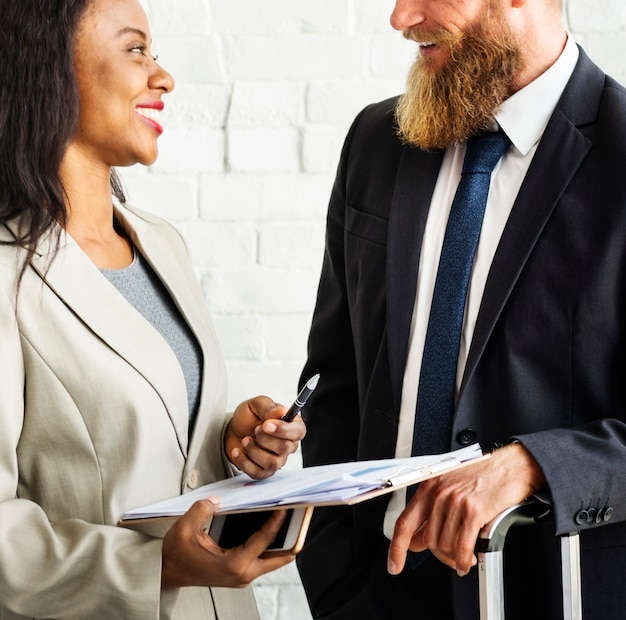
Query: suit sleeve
(332, 412)
(583, 467)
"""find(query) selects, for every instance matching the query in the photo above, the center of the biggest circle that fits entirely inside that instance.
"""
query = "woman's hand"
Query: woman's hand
(192, 558)
(257, 441)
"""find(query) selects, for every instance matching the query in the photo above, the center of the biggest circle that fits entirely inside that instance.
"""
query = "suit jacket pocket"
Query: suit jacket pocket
(366, 226)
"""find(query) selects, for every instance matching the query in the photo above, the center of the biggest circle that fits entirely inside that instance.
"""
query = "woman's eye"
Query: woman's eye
(142, 49)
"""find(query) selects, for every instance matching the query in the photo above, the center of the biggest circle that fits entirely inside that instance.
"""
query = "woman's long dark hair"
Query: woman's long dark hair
(39, 111)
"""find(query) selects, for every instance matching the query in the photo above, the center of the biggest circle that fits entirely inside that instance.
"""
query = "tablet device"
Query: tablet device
(232, 530)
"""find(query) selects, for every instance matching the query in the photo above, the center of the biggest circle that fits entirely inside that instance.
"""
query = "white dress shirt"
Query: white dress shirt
(523, 117)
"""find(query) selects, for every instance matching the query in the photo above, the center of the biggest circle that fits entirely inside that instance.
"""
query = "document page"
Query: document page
(322, 485)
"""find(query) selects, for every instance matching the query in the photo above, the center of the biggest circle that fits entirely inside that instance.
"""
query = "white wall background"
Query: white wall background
(266, 90)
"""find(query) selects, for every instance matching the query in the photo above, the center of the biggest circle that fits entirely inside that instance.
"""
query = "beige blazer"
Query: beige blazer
(93, 422)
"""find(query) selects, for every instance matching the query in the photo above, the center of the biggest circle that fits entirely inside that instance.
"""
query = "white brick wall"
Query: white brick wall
(265, 93)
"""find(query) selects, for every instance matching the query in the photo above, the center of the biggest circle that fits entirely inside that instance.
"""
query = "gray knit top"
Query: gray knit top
(142, 288)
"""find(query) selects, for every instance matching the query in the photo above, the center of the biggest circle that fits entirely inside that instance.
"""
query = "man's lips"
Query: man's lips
(433, 37)
(427, 47)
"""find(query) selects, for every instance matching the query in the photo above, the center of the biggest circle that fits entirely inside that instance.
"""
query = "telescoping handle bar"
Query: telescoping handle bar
(490, 561)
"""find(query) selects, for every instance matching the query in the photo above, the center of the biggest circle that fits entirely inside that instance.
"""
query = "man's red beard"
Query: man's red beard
(448, 104)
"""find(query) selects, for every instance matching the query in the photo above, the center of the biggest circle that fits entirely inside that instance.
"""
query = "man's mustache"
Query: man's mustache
(437, 36)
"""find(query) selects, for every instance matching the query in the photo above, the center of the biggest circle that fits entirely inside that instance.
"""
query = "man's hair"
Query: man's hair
(39, 111)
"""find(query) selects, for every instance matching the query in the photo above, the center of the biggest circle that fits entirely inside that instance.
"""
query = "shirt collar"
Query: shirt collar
(525, 115)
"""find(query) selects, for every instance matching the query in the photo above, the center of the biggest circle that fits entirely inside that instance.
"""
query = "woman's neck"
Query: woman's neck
(90, 213)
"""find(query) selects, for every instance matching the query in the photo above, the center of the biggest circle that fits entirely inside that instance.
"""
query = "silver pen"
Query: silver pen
(301, 399)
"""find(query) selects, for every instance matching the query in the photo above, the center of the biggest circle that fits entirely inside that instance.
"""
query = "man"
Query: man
(540, 364)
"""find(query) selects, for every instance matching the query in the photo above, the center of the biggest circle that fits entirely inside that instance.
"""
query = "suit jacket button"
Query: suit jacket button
(608, 513)
(600, 516)
(582, 517)
(193, 479)
(466, 437)
(592, 514)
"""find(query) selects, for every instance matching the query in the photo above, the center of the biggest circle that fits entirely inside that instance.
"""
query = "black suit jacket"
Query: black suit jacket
(546, 364)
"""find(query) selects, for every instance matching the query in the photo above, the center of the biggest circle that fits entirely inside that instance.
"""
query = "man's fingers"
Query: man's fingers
(406, 535)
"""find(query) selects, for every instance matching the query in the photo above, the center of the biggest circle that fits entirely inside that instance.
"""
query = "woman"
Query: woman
(113, 388)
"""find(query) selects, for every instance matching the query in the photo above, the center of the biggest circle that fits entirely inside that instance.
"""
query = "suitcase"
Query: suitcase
(490, 561)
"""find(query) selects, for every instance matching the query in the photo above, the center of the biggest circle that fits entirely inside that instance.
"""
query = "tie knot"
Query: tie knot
(484, 152)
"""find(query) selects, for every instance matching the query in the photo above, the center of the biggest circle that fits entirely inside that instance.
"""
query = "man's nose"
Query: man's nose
(407, 13)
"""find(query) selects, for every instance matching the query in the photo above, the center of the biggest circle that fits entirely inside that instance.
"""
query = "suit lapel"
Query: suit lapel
(561, 151)
(184, 290)
(407, 220)
(101, 308)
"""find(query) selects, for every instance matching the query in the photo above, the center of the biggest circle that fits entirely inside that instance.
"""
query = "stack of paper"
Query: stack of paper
(342, 483)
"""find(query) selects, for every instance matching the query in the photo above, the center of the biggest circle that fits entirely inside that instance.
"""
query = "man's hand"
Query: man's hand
(447, 513)
(257, 441)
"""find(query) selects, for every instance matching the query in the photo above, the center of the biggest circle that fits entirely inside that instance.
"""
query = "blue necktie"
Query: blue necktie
(437, 383)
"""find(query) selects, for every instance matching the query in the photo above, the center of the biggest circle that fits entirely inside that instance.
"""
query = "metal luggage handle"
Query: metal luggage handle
(490, 548)
(493, 536)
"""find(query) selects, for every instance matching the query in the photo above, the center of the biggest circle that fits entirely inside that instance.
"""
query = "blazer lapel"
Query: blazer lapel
(183, 287)
(102, 309)
(561, 151)
(407, 221)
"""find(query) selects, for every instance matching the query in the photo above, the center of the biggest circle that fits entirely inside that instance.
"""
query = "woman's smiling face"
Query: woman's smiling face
(120, 85)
